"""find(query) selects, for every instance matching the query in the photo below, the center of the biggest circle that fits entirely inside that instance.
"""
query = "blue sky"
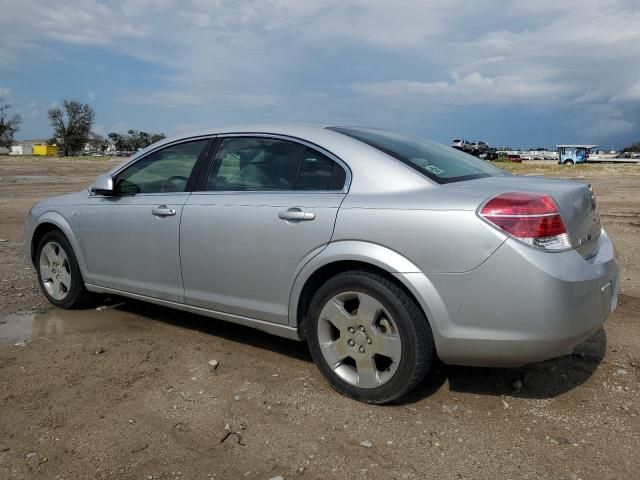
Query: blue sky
(520, 73)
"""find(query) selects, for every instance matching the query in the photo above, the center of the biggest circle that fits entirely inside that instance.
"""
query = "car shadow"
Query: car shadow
(219, 328)
(540, 380)
(536, 381)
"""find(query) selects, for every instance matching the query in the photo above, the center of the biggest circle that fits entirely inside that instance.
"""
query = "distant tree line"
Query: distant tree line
(134, 139)
(9, 124)
(633, 148)
(72, 122)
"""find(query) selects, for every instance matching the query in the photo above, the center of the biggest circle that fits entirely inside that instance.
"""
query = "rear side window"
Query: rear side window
(270, 164)
(438, 162)
(319, 172)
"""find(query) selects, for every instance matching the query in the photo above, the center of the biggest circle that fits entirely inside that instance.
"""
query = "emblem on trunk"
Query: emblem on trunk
(584, 240)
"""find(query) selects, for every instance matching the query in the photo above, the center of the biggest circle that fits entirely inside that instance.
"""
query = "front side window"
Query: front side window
(271, 164)
(164, 171)
(438, 162)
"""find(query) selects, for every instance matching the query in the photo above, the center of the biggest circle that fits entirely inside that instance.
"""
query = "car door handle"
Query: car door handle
(296, 215)
(163, 211)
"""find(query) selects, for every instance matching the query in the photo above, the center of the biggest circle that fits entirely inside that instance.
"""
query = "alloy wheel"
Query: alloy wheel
(359, 339)
(55, 270)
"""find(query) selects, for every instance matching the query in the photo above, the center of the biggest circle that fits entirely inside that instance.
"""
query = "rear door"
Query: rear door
(268, 205)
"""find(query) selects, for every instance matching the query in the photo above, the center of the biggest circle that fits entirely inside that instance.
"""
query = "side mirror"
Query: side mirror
(103, 185)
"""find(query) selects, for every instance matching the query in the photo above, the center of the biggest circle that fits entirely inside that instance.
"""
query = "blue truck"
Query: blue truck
(573, 154)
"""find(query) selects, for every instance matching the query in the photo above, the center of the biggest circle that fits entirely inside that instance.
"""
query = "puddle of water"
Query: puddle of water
(53, 323)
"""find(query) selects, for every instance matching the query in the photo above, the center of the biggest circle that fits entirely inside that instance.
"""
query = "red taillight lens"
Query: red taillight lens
(530, 217)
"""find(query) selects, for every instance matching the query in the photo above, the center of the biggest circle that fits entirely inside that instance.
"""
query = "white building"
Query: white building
(25, 147)
(21, 150)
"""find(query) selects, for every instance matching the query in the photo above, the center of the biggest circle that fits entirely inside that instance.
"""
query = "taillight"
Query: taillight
(532, 218)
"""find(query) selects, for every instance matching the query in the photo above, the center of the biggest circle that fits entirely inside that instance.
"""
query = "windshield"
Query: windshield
(438, 162)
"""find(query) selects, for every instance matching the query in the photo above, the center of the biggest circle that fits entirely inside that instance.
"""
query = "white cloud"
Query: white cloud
(191, 99)
(577, 54)
(575, 50)
(631, 94)
(606, 126)
(99, 130)
(118, 127)
(189, 127)
(31, 110)
(4, 92)
(472, 89)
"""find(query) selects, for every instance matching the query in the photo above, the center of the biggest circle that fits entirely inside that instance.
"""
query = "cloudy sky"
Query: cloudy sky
(522, 73)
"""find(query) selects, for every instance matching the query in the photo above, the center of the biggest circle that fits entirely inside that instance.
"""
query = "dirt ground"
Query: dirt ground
(127, 392)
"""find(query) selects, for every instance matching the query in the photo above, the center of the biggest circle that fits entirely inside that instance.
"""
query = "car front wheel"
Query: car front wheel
(368, 337)
(58, 272)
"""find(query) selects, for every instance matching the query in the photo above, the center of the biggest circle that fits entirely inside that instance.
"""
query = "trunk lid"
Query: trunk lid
(575, 201)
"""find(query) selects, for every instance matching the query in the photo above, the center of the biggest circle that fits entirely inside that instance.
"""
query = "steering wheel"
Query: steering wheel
(170, 180)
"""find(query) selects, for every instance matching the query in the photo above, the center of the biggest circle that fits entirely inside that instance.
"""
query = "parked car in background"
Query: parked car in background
(372, 246)
(460, 144)
(489, 153)
(473, 148)
(482, 146)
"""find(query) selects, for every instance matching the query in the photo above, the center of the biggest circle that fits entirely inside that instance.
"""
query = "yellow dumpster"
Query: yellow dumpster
(45, 150)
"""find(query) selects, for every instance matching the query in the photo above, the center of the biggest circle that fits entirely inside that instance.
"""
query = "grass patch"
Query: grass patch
(554, 169)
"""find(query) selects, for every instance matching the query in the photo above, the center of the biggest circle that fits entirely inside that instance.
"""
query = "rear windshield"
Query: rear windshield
(438, 162)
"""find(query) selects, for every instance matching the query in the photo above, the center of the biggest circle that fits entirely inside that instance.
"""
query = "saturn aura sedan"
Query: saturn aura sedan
(382, 251)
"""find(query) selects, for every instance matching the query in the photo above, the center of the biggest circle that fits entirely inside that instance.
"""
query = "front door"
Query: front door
(269, 206)
(131, 240)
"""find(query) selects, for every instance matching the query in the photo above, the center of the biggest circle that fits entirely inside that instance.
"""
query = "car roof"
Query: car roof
(289, 129)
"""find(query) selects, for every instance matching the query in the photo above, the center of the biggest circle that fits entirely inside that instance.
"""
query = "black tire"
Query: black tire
(77, 295)
(417, 344)
(568, 162)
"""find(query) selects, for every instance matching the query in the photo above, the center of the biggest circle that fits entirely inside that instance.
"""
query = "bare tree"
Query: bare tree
(9, 125)
(71, 124)
(97, 142)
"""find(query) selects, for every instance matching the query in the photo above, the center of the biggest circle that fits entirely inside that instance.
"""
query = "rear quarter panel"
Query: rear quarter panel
(420, 228)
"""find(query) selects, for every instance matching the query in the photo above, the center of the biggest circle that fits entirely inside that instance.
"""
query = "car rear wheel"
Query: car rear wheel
(368, 337)
(568, 162)
(58, 272)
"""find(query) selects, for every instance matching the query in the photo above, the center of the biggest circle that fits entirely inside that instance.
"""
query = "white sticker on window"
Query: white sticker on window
(433, 169)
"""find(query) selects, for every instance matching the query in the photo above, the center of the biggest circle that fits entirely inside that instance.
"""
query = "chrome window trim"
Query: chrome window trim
(222, 136)
(137, 195)
(135, 159)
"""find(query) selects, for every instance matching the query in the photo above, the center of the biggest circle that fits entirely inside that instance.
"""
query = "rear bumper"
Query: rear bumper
(521, 305)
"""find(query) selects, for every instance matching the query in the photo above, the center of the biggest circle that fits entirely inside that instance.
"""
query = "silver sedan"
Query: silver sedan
(382, 251)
